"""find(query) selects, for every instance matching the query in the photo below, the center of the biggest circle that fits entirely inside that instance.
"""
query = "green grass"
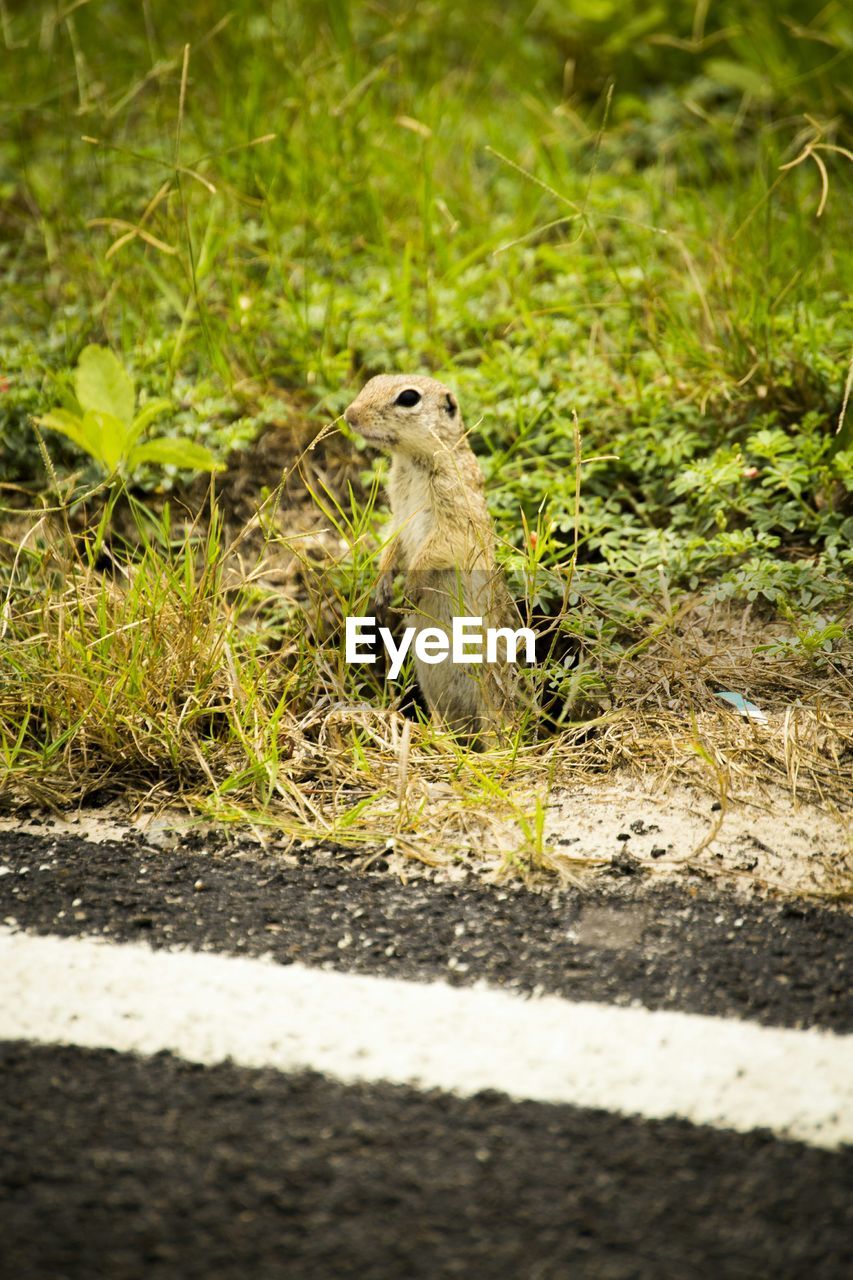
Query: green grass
(591, 214)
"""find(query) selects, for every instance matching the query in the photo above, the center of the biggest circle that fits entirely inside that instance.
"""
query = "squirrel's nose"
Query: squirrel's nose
(351, 416)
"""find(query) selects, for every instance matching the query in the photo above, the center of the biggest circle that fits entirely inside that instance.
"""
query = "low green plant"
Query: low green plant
(106, 424)
(268, 210)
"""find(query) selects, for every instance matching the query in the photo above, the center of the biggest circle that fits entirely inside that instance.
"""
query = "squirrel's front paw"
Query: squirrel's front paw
(382, 594)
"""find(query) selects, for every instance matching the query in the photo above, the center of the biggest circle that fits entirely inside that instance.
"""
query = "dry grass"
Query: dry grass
(187, 669)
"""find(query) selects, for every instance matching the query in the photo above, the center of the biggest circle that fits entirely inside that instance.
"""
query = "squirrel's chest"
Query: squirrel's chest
(412, 507)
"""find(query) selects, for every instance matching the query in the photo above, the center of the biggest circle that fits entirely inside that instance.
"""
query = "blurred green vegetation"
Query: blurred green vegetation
(587, 208)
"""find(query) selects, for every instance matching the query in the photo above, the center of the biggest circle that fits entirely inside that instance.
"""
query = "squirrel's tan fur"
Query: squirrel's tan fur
(442, 539)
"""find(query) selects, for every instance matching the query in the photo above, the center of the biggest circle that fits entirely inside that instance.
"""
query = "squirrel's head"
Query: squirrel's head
(413, 415)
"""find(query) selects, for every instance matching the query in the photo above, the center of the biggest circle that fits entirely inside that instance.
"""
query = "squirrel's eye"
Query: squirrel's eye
(408, 398)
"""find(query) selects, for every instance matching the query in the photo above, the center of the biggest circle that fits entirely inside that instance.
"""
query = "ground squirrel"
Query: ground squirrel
(442, 539)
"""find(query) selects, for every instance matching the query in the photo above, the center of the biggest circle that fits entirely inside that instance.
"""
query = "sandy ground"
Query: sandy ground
(766, 842)
(622, 825)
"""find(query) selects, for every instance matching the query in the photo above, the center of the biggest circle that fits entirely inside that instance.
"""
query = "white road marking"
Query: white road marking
(209, 1008)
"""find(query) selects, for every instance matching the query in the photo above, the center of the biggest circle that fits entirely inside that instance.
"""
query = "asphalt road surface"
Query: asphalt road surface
(216, 1065)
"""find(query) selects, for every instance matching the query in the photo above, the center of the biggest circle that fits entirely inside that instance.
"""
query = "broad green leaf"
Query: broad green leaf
(103, 385)
(150, 410)
(67, 424)
(176, 453)
(106, 438)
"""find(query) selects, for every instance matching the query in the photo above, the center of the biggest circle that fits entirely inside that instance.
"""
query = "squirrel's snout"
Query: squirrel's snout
(351, 416)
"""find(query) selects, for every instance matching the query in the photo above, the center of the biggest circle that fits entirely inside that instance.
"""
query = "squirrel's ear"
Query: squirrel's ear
(450, 405)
